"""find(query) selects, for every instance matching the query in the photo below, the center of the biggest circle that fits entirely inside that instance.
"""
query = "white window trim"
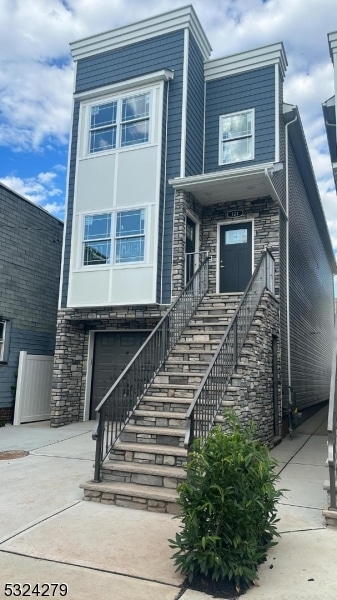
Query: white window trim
(252, 136)
(99, 101)
(2, 340)
(112, 263)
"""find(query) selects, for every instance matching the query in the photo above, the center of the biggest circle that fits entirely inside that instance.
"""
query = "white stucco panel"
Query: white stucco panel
(89, 288)
(95, 183)
(133, 286)
(137, 177)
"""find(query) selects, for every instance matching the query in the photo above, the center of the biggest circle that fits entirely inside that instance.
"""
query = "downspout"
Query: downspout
(287, 250)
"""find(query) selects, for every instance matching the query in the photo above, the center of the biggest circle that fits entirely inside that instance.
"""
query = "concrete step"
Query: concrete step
(140, 434)
(143, 474)
(159, 454)
(131, 495)
(165, 403)
(173, 365)
(156, 418)
(165, 377)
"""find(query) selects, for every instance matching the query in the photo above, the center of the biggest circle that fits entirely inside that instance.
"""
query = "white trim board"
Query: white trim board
(247, 61)
(143, 30)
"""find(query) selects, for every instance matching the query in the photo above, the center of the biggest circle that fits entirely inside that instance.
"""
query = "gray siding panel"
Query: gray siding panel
(311, 298)
(255, 89)
(32, 342)
(195, 111)
(162, 52)
(30, 256)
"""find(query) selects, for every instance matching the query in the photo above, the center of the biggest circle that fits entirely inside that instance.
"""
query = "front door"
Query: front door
(189, 249)
(113, 351)
(235, 257)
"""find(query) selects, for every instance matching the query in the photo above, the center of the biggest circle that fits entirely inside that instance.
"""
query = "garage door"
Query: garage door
(113, 351)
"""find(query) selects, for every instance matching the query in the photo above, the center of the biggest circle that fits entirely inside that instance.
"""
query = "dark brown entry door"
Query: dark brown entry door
(113, 351)
(235, 257)
(189, 249)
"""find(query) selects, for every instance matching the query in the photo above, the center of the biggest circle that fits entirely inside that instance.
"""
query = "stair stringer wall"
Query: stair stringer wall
(251, 387)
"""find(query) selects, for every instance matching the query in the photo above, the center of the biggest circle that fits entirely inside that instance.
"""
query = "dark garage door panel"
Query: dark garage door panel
(113, 351)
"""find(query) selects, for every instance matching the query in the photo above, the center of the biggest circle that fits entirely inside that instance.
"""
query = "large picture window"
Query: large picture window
(236, 137)
(117, 237)
(120, 123)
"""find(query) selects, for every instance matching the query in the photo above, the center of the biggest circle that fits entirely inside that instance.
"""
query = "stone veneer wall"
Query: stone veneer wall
(183, 202)
(71, 352)
(252, 385)
(266, 232)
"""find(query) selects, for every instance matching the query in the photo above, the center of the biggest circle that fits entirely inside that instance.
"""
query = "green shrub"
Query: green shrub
(228, 506)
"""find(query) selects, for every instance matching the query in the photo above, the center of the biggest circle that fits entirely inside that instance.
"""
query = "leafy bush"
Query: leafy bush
(228, 506)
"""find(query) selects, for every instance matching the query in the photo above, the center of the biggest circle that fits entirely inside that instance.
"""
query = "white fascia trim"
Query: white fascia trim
(277, 115)
(180, 182)
(332, 40)
(184, 105)
(246, 61)
(143, 30)
(120, 86)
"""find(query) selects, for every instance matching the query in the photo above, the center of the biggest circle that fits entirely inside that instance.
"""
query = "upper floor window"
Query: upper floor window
(120, 123)
(117, 237)
(2, 339)
(236, 137)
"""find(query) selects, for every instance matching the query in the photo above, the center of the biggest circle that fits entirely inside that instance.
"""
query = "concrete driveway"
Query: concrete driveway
(48, 534)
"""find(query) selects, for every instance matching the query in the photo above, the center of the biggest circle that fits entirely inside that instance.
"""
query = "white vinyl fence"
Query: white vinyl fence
(33, 389)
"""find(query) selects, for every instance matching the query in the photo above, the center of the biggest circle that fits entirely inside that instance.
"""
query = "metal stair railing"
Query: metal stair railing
(115, 409)
(206, 403)
(332, 426)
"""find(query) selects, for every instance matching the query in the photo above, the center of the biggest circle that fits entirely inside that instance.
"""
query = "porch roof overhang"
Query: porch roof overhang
(243, 183)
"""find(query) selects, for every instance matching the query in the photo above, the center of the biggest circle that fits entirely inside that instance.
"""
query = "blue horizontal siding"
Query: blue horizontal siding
(255, 89)
(195, 110)
(162, 52)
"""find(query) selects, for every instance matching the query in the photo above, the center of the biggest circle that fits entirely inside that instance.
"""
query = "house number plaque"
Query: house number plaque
(234, 213)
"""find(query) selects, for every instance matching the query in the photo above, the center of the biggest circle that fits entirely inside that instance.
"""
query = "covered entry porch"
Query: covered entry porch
(232, 216)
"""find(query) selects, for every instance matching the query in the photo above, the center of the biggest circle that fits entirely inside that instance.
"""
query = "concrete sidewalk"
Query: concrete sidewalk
(48, 534)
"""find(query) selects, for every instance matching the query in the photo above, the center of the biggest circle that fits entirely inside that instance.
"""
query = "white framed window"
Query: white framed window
(2, 339)
(116, 237)
(120, 122)
(97, 239)
(130, 236)
(236, 139)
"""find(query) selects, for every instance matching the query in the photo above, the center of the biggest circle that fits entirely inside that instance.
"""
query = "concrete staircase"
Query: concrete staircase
(147, 461)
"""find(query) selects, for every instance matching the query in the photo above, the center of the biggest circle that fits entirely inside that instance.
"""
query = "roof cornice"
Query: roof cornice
(246, 61)
(332, 39)
(182, 18)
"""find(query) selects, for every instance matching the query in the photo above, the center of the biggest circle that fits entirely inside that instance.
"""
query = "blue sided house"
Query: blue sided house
(197, 268)
(30, 257)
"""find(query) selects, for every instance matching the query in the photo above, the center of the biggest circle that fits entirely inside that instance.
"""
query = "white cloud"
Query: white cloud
(36, 70)
(39, 189)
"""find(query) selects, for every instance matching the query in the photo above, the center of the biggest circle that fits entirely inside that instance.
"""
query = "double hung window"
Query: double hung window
(117, 237)
(236, 137)
(2, 339)
(120, 123)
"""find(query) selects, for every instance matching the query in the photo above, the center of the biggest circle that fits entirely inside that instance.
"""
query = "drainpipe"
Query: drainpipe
(287, 248)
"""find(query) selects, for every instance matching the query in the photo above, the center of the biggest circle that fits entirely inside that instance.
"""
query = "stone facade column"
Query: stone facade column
(68, 376)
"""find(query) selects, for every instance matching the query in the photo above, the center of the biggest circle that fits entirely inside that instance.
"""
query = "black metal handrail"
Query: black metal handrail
(332, 426)
(115, 409)
(206, 403)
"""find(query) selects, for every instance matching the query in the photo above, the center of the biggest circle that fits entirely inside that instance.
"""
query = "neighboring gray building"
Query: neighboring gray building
(30, 256)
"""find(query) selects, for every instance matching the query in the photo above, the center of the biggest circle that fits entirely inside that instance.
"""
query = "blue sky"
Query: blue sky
(36, 76)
